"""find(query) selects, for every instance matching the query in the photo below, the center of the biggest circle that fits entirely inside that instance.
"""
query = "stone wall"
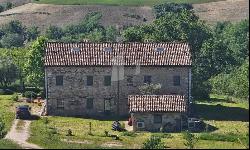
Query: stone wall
(74, 91)
(171, 122)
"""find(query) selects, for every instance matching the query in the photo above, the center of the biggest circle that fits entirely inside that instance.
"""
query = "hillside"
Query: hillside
(43, 15)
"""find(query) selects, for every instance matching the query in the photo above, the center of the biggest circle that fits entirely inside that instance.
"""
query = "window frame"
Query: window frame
(130, 83)
(155, 119)
(146, 77)
(92, 80)
(60, 103)
(176, 80)
(87, 103)
(105, 80)
(58, 77)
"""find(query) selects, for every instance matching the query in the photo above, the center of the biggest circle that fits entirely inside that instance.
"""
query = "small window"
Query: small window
(89, 80)
(89, 103)
(129, 80)
(59, 80)
(157, 118)
(60, 103)
(147, 79)
(107, 80)
(177, 80)
(107, 49)
(159, 49)
(140, 125)
(75, 49)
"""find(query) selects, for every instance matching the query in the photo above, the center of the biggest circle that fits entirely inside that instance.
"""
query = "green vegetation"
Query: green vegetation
(119, 2)
(227, 124)
(154, 142)
(7, 144)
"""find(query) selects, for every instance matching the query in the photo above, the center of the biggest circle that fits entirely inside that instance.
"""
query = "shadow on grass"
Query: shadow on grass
(221, 113)
(31, 118)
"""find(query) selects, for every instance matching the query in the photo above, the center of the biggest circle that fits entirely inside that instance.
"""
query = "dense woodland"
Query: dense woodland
(219, 52)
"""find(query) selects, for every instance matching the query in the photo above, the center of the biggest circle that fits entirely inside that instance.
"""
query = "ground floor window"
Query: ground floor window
(107, 104)
(157, 118)
(60, 103)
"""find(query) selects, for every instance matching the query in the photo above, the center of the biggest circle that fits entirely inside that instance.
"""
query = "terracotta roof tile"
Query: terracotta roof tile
(93, 54)
(157, 103)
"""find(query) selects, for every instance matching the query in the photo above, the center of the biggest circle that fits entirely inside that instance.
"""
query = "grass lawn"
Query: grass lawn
(119, 2)
(231, 123)
(7, 113)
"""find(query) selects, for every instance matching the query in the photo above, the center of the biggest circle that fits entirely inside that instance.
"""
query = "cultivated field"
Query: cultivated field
(43, 15)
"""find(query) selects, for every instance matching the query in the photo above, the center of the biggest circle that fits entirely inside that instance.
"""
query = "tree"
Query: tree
(96, 36)
(1, 8)
(133, 34)
(8, 70)
(14, 26)
(154, 142)
(9, 5)
(111, 34)
(54, 33)
(34, 68)
(12, 40)
(32, 33)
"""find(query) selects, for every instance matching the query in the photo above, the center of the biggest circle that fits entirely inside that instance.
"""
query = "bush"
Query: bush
(6, 92)
(154, 142)
(230, 137)
(190, 139)
(2, 128)
(30, 94)
(126, 133)
(14, 97)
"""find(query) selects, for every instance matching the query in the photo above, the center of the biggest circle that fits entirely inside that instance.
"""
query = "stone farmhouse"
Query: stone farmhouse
(95, 79)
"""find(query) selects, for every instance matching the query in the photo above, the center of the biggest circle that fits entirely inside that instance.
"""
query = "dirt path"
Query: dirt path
(19, 133)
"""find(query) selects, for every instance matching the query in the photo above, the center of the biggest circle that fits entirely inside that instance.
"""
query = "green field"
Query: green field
(119, 2)
(7, 113)
(230, 119)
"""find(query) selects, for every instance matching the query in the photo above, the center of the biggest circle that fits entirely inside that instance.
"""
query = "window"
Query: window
(89, 103)
(157, 118)
(140, 124)
(89, 80)
(60, 103)
(107, 104)
(59, 80)
(159, 49)
(177, 80)
(107, 80)
(147, 79)
(130, 80)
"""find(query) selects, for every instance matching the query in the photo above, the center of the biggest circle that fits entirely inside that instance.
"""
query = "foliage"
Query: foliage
(230, 137)
(148, 89)
(161, 9)
(34, 68)
(234, 83)
(30, 94)
(2, 128)
(12, 40)
(32, 33)
(154, 142)
(111, 34)
(9, 5)
(1, 8)
(189, 139)
(14, 97)
(8, 70)
(54, 32)
(127, 133)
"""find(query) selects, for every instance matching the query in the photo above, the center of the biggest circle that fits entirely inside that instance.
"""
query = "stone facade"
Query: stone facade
(170, 122)
(74, 92)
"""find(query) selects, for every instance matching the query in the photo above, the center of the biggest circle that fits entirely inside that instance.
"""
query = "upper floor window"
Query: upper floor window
(89, 80)
(147, 79)
(89, 103)
(107, 80)
(177, 80)
(129, 80)
(59, 80)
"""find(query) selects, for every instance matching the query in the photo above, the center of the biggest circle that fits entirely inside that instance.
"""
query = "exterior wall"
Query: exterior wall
(148, 118)
(75, 91)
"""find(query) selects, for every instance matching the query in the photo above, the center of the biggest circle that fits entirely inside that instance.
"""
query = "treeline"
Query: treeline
(6, 6)
(219, 53)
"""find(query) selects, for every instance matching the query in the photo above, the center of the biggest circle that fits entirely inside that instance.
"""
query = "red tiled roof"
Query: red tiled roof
(93, 54)
(157, 103)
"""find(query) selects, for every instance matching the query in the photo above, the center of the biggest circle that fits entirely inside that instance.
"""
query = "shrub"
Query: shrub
(126, 133)
(14, 97)
(154, 142)
(30, 94)
(2, 128)
(230, 137)
(190, 139)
